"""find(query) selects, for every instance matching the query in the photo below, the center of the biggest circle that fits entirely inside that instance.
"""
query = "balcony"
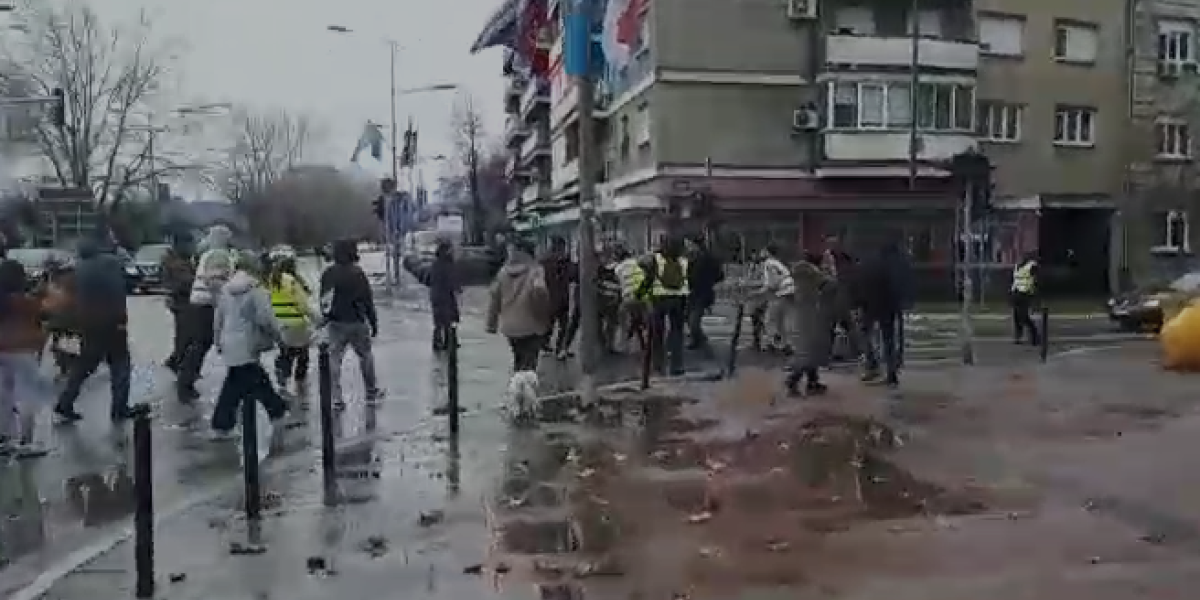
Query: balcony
(564, 175)
(515, 131)
(535, 96)
(514, 86)
(535, 193)
(515, 170)
(892, 146)
(860, 52)
(537, 145)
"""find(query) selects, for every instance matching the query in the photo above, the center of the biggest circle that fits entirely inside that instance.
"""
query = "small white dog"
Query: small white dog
(522, 392)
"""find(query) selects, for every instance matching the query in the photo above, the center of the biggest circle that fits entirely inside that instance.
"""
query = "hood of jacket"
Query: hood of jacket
(240, 283)
(218, 237)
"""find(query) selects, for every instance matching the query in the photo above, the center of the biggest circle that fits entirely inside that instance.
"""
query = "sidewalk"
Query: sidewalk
(1050, 482)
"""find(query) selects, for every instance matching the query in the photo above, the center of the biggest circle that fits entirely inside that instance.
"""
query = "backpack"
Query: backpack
(672, 276)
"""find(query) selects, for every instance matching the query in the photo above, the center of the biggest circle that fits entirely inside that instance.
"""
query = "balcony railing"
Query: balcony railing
(537, 144)
(884, 146)
(535, 94)
(535, 192)
(564, 175)
(515, 130)
(866, 51)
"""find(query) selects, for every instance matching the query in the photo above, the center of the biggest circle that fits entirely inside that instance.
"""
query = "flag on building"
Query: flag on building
(518, 25)
(622, 30)
(370, 139)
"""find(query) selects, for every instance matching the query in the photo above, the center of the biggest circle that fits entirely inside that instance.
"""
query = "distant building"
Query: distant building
(64, 216)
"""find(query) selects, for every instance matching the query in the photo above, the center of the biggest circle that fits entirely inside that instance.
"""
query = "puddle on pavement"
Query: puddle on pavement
(549, 536)
(100, 498)
(22, 515)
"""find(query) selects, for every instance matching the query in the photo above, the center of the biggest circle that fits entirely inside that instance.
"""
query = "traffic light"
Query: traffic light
(58, 109)
(377, 206)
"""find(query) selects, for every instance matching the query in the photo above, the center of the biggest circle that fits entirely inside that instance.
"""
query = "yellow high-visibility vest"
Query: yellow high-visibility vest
(1023, 278)
(659, 289)
(284, 303)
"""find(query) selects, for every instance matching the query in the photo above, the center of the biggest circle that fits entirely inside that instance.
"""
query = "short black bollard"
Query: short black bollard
(143, 516)
(646, 336)
(731, 366)
(452, 406)
(328, 452)
(250, 474)
(1045, 349)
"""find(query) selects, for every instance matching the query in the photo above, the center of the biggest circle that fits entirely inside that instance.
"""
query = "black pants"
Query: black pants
(107, 344)
(844, 320)
(1022, 318)
(199, 326)
(558, 339)
(291, 362)
(887, 326)
(696, 309)
(179, 337)
(525, 352)
(668, 318)
(245, 383)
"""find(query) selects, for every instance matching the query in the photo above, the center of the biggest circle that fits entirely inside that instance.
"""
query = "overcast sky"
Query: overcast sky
(279, 53)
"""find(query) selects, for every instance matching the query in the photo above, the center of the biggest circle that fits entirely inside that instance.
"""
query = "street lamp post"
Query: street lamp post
(394, 93)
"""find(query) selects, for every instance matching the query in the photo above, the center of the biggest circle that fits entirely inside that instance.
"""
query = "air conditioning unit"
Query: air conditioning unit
(806, 119)
(802, 10)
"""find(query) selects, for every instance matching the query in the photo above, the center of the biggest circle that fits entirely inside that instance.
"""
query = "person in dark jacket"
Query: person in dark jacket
(884, 292)
(442, 279)
(842, 268)
(102, 313)
(561, 273)
(704, 273)
(348, 307)
(178, 277)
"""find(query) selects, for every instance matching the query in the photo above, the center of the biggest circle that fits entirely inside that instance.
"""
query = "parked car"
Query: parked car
(148, 262)
(1144, 308)
(37, 260)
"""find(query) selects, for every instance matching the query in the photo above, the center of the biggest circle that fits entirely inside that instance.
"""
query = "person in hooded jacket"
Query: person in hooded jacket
(21, 383)
(244, 327)
(560, 273)
(178, 277)
(519, 306)
(296, 316)
(442, 279)
(213, 269)
(348, 307)
(102, 316)
(885, 291)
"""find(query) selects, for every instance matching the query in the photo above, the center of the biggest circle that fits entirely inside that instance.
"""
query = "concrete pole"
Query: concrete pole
(585, 89)
(966, 332)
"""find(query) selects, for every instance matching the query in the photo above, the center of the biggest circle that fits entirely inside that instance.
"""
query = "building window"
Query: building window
(1074, 126)
(888, 105)
(1174, 139)
(1075, 42)
(1002, 35)
(1176, 231)
(1176, 45)
(1000, 121)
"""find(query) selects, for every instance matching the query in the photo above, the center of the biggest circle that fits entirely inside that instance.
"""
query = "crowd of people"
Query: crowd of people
(240, 303)
(659, 301)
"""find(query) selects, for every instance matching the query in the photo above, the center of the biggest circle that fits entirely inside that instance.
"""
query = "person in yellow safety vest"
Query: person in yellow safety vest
(667, 285)
(630, 276)
(1024, 294)
(296, 316)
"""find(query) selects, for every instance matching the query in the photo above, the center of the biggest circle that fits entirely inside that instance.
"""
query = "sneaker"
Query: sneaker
(219, 435)
(815, 389)
(66, 416)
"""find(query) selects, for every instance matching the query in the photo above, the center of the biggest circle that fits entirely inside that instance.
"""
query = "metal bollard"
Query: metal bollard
(731, 366)
(1045, 349)
(452, 377)
(328, 452)
(250, 474)
(143, 516)
(647, 339)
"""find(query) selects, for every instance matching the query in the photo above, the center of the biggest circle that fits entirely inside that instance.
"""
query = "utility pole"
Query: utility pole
(585, 89)
(392, 261)
(914, 81)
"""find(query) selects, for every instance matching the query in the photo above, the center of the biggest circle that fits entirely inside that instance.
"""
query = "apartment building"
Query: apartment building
(1154, 227)
(527, 136)
(793, 120)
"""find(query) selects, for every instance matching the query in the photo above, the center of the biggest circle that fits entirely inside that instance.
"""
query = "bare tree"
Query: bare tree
(310, 205)
(107, 76)
(468, 139)
(265, 146)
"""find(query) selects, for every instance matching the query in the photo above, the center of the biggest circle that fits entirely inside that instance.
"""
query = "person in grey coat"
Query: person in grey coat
(814, 305)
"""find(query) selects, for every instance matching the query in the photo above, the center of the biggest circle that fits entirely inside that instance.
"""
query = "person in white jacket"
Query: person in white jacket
(213, 270)
(777, 290)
